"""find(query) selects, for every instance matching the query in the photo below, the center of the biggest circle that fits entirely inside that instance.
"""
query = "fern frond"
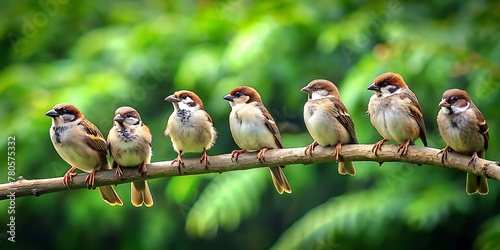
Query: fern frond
(226, 200)
(372, 214)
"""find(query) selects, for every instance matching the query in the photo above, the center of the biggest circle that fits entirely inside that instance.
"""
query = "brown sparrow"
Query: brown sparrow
(129, 143)
(80, 143)
(328, 120)
(395, 112)
(189, 127)
(463, 128)
(253, 129)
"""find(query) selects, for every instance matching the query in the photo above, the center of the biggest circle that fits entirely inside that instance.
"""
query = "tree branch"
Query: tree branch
(275, 157)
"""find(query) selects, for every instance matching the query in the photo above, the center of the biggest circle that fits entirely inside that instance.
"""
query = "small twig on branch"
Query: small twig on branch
(275, 157)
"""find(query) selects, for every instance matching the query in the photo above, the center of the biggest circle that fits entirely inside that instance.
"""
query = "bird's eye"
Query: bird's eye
(129, 115)
(383, 84)
(454, 99)
(184, 96)
(238, 94)
(63, 111)
(315, 88)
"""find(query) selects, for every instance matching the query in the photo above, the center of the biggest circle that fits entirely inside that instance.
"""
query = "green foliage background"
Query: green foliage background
(100, 55)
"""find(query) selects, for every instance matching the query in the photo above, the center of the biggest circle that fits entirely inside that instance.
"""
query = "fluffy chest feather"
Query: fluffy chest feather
(190, 131)
(461, 132)
(391, 117)
(128, 149)
(321, 123)
(248, 127)
(68, 140)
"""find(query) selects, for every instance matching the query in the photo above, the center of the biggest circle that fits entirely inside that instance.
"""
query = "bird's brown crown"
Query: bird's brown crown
(248, 91)
(457, 96)
(322, 84)
(390, 78)
(182, 94)
(127, 111)
(69, 109)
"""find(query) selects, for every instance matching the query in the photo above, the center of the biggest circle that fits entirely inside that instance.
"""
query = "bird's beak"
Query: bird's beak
(171, 98)
(229, 97)
(306, 90)
(118, 118)
(373, 87)
(444, 103)
(52, 113)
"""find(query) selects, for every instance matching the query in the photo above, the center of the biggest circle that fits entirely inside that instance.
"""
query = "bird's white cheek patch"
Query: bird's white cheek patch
(68, 117)
(399, 91)
(457, 110)
(320, 94)
(386, 92)
(183, 105)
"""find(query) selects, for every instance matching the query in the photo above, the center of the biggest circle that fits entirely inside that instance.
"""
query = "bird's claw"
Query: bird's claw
(260, 155)
(236, 153)
(311, 148)
(378, 146)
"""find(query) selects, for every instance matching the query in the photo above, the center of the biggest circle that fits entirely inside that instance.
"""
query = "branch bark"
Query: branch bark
(275, 157)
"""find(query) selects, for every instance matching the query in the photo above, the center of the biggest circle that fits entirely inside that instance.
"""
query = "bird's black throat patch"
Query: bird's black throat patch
(184, 115)
(454, 124)
(58, 131)
(125, 135)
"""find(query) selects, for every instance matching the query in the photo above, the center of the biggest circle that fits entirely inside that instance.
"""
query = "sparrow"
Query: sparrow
(395, 112)
(129, 143)
(253, 128)
(463, 128)
(80, 143)
(328, 120)
(189, 127)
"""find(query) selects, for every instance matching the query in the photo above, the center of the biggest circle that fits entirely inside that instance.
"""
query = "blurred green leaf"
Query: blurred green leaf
(227, 200)
(99, 56)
